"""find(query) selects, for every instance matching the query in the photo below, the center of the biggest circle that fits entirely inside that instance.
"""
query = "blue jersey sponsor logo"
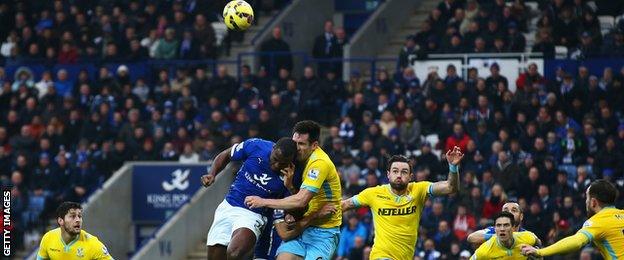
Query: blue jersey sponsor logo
(255, 177)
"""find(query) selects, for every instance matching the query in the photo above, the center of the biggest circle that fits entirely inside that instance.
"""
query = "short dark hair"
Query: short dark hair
(309, 127)
(399, 158)
(505, 214)
(603, 191)
(286, 146)
(62, 210)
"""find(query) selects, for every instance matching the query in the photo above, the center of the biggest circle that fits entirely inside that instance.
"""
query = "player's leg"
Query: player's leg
(291, 250)
(247, 227)
(241, 245)
(220, 232)
(288, 256)
(217, 252)
(320, 243)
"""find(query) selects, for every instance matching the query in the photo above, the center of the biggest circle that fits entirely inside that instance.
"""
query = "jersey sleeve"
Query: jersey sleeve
(490, 230)
(242, 150)
(100, 252)
(315, 175)
(421, 190)
(591, 230)
(43, 248)
(278, 216)
(364, 198)
(479, 254)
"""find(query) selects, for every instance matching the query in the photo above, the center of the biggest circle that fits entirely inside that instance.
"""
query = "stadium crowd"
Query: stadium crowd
(68, 32)
(541, 145)
(498, 26)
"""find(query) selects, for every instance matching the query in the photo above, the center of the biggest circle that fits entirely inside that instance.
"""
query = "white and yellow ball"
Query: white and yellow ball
(238, 15)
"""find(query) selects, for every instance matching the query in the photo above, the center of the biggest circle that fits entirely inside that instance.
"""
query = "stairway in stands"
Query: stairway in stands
(245, 45)
(422, 13)
(411, 26)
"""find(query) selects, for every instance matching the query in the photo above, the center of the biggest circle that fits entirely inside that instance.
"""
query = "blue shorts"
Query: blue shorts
(315, 243)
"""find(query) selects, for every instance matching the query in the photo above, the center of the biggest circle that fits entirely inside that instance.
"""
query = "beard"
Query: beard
(70, 230)
(398, 186)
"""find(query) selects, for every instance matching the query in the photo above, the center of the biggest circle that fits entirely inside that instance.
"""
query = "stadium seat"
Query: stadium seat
(220, 32)
(561, 52)
(618, 20)
(432, 139)
(533, 7)
(606, 22)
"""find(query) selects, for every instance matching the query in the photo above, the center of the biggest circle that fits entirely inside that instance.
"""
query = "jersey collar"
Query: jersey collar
(68, 246)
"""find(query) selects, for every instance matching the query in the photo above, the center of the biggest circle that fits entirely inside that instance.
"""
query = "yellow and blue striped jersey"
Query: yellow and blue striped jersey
(395, 218)
(606, 230)
(493, 249)
(321, 178)
(84, 247)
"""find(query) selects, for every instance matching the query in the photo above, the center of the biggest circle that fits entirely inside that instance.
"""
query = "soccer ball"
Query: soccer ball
(238, 15)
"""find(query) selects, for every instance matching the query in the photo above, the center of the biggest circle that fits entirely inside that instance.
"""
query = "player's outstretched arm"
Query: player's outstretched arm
(478, 237)
(347, 204)
(451, 185)
(290, 229)
(568, 244)
(297, 201)
(218, 164)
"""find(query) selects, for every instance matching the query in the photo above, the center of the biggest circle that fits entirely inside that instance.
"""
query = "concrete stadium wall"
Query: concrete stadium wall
(384, 23)
(301, 22)
(182, 233)
(108, 213)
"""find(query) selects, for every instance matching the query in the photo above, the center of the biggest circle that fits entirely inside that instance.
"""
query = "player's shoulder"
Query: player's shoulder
(420, 186)
(257, 142)
(526, 236)
(486, 246)
(52, 234)
(319, 156)
(88, 237)
(377, 189)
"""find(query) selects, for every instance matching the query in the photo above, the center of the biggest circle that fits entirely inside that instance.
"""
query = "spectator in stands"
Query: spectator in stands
(463, 224)
(325, 47)
(278, 61)
(614, 47)
(545, 44)
(167, 46)
(586, 48)
(352, 231)
(407, 53)
(566, 29)
(515, 40)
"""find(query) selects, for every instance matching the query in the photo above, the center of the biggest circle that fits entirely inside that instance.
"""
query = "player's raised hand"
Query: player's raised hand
(253, 202)
(528, 250)
(454, 156)
(289, 173)
(207, 180)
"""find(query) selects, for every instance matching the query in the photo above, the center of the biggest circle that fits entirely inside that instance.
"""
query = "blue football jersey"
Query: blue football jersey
(255, 177)
(269, 240)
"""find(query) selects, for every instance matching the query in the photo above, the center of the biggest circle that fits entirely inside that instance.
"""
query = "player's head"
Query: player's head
(69, 217)
(283, 154)
(599, 194)
(306, 135)
(399, 172)
(514, 208)
(503, 225)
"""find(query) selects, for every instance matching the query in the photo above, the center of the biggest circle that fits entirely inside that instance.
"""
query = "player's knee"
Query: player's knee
(236, 252)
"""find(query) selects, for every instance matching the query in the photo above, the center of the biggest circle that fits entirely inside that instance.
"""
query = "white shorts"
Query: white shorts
(228, 218)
